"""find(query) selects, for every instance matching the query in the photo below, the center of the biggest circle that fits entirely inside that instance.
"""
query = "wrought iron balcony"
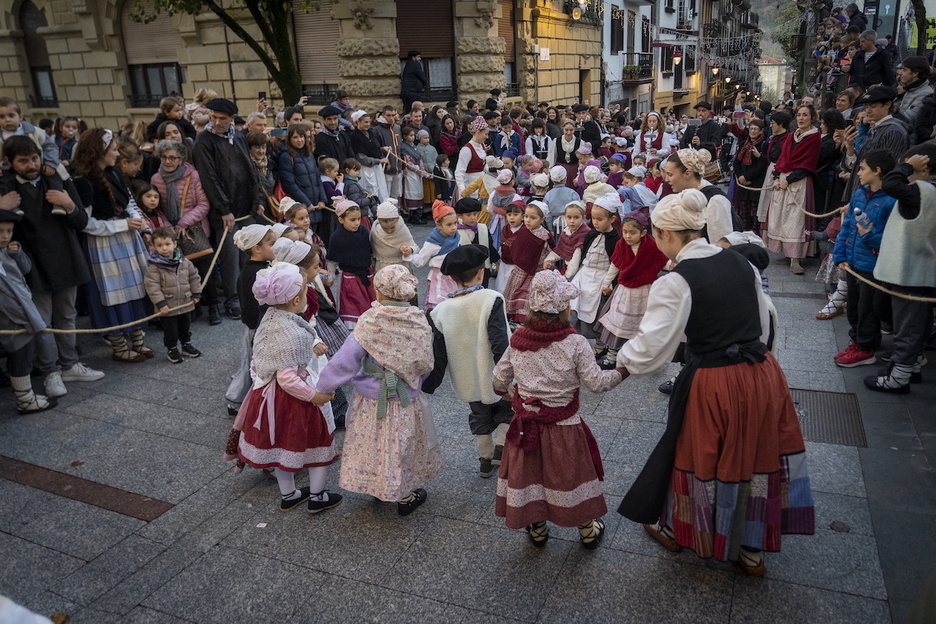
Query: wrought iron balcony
(638, 68)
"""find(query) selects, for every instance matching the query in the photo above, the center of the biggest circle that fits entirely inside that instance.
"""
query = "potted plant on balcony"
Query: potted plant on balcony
(631, 71)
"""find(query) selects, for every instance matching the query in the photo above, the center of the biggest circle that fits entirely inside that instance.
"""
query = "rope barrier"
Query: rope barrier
(114, 328)
(886, 290)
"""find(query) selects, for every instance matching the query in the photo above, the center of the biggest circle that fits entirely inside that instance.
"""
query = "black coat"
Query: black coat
(925, 120)
(50, 241)
(337, 146)
(754, 173)
(413, 79)
(227, 175)
(710, 134)
(878, 70)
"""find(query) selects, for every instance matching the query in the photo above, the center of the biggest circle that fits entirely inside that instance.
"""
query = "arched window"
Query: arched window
(37, 56)
(316, 35)
(152, 57)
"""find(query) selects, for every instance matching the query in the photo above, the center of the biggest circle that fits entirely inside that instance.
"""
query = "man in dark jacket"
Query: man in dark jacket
(413, 81)
(230, 182)
(331, 141)
(705, 136)
(856, 17)
(872, 64)
(59, 266)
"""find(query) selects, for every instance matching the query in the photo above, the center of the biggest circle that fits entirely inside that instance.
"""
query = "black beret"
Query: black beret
(878, 94)
(495, 92)
(466, 205)
(488, 116)
(413, 53)
(464, 258)
(239, 121)
(222, 105)
(703, 104)
(580, 108)
(451, 104)
(755, 254)
(330, 111)
(8, 216)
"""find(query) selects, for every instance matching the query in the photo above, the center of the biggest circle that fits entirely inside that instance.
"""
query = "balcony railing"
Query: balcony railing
(638, 67)
(750, 20)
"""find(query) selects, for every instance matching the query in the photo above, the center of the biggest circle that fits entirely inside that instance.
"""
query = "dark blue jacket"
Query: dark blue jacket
(861, 251)
(302, 181)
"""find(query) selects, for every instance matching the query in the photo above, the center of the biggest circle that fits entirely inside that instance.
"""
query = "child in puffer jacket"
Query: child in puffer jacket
(857, 248)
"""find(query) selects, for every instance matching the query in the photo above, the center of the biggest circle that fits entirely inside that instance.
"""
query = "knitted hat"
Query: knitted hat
(592, 174)
(558, 174)
(504, 176)
(467, 205)
(584, 148)
(477, 125)
(249, 236)
(440, 210)
(681, 211)
(551, 293)
(396, 282)
(342, 204)
(464, 258)
(540, 179)
(388, 209)
(421, 134)
(278, 284)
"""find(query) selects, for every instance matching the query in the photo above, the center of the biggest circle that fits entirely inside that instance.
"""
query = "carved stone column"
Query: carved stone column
(480, 49)
(368, 53)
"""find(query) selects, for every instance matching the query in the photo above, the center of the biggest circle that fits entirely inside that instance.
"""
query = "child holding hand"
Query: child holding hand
(350, 251)
(533, 242)
(390, 237)
(171, 281)
(440, 242)
(514, 218)
(571, 240)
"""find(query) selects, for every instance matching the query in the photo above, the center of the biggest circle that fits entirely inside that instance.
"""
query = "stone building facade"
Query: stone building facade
(88, 58)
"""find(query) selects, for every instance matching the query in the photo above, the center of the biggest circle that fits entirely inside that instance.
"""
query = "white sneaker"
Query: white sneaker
(80, 372)
(53, 385)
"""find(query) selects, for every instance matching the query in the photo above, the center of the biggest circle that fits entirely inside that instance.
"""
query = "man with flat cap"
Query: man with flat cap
(705, 136)
(588, 130)
(413, 81)
(331, 141)
(227, 175)
(470, 335)
(887, 132)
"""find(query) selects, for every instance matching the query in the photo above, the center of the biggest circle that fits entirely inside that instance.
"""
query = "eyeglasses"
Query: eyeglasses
(170, 158)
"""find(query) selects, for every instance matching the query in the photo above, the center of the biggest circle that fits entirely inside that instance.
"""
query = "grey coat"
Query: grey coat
(17, 310)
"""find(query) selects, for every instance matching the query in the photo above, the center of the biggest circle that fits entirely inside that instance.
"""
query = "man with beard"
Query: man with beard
(52, 218)
(331, 142)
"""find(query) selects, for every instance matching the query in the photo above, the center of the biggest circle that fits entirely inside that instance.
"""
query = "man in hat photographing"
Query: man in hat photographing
(413, 81)
(227, 175)
(886, 132)
(705, 136)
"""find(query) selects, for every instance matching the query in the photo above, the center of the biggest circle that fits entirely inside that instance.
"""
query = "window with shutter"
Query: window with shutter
(37, 55)
(429, 28)
(151, 51)
(505, 29)
(316, 36)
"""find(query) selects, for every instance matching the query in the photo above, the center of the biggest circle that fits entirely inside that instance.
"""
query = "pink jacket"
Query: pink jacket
(196, 202)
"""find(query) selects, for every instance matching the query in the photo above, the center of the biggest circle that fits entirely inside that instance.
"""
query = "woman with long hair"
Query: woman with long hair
(793, 190)
(115, 250)
(302, 180)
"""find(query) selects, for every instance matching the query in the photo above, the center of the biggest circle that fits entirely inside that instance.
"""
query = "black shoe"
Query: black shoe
(316, 506)
(174, 356)
(292, 503)
(339, 422)
(607, 363)
(498, 454)
(232, 410)
(666, 387)
(233, 309)
(214, 317)
(189, 351)
(413, 500)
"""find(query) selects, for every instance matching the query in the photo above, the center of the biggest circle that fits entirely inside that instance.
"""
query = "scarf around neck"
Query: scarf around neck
(173, 206)
(398, 338)
(638, 269)
(570, 241)
(283, 340)
(387, 246)
(539, 335)
(447, 244)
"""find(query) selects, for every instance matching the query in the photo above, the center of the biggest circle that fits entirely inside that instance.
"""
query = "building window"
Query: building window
(647, 36)
(631, 30)
(617, 32)
(432, 33)
(31, 19)
(315, 31)
(152, 82)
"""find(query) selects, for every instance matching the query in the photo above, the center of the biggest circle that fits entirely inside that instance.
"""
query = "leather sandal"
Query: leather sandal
(822, 316)
(668, 542)
(413, 500)
(749, 567)
(590, 534)
(538, 533)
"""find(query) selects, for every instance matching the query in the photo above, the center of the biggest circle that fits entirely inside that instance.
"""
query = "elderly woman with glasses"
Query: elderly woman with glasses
(183, 204)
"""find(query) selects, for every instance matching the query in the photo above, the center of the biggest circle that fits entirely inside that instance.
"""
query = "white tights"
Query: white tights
(287, 480)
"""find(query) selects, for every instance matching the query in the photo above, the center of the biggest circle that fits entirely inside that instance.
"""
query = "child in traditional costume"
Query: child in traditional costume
(470, 335)
(503, 194)
(596, 186)
(389, 236)
(441, 241)
(530, 247)
(391, 448)
(471, 232)
(514, 216)
(638, 262)
(551, 468)
(350, 250)
(557, 198)
(284, 422)
(571, 240)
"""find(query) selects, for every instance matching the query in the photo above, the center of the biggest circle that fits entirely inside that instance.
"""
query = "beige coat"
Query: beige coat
(172, 285)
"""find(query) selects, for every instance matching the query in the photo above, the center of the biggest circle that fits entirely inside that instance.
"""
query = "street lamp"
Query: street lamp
(715, 69)
(728, 79)
(677, 56)
(578, 10)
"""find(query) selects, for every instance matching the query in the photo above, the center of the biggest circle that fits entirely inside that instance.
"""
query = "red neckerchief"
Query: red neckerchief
(539, 335)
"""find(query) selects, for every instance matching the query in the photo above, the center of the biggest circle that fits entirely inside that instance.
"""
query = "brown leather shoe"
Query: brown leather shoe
(822, 316)
(751, 570)
(668, 542)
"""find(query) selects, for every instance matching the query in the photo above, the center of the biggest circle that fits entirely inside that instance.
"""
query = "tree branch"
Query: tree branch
(252, 43)
(254, 7)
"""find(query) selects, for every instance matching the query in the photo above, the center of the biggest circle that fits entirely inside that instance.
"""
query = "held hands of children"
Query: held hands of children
(406, 250)
(321, 399)
(13, 247)
(605, 290)
(320, 348)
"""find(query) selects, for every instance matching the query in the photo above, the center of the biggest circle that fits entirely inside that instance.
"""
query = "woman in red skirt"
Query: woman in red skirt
(283, 425)
(729, 476)
(551, 469)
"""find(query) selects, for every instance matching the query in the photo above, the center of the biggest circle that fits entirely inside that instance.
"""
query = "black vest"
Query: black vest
(724, 302)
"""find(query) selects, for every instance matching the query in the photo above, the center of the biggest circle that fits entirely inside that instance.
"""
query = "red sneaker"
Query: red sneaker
(856, 358)
(845, 352)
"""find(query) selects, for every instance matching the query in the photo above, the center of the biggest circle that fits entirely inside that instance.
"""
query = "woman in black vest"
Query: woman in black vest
(729, 475)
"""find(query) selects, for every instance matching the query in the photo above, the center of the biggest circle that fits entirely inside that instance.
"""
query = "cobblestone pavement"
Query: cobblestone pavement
(222, 552)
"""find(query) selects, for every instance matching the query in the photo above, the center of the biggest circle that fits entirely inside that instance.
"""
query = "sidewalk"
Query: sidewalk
(223, 552)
